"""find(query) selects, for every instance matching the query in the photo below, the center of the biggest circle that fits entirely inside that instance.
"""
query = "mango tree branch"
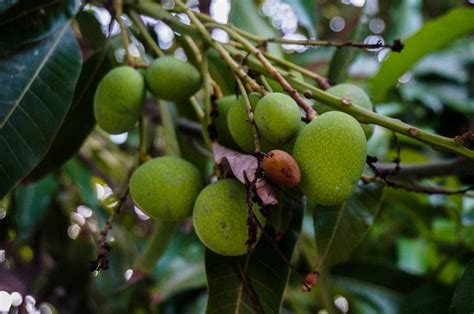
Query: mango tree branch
(310, 112)
(363, 115)
(450, 167)
(246, 100)
(223, 53)
(149, 41)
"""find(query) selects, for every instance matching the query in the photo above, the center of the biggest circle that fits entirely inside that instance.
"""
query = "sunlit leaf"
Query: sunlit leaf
(339, 229)
(432, 36)
(31, 205)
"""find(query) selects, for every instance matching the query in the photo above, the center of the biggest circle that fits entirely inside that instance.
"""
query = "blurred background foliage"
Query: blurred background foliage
(410, 261)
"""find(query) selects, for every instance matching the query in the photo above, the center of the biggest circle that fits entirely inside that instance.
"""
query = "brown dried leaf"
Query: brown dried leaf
(239, 163)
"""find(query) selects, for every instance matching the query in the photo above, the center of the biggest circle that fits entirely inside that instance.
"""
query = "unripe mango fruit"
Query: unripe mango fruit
(166, 188)
(331, 153)
(119, 99)
(220, 217)
(356, 95)
(277, 117)
(223, 106)
(172, 79)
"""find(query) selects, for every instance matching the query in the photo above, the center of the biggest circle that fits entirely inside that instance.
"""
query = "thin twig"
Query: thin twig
(102, 260)
(220, 49)
(118, 7)
(310, 112)
(248, 106)
(145, 34)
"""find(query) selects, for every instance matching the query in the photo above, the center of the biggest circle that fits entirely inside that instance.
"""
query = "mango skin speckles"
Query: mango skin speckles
(166, 188)
(277, 117)
(331, 153)
(220, 217)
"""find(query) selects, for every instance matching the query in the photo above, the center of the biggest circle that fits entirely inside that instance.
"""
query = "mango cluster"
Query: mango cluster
(323, 158)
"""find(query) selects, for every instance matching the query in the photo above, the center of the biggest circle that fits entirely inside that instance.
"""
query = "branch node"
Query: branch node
(413, 132)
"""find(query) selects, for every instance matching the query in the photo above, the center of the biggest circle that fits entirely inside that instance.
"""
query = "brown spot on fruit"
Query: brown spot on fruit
(281, 168)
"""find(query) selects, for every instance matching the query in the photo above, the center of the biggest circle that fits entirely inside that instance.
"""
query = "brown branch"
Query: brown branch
(451, 167)
(104, 248)
(382, 177)
(397, 45)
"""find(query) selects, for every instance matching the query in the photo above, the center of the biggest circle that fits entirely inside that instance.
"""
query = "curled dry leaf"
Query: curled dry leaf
(239, 163)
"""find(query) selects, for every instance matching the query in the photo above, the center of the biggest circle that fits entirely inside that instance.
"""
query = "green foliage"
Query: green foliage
(166, 187)
(265, 273)
(331, 153)
(340, 229)
(378, 250)
(432, 36)
(36, 102)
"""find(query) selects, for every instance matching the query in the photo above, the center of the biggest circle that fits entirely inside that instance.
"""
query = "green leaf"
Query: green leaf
(181, 267)
(432, 36)
(91, 29)
(31, 205)
(79, 121)
(5, 5)
(463, 298)
(366, 297)
(42, 78)
(339, 229)
(266, 274)
(32, 20)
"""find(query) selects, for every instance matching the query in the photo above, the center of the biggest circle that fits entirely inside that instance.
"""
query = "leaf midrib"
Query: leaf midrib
(35, 74)
(333, 236)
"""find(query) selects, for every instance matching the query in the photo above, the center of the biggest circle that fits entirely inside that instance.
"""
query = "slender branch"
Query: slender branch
(145, 34)
(220, 49)
(102, 260)
(414, 187)
(310, 112)
(366, 116)
(245, 97)
(197, 108)
(451, 167)
(118, 7)
(363, 115)
(397, 45)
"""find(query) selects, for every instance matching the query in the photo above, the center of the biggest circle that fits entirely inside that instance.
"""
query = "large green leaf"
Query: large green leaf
(266, 274)
(31, 205)
(33, 20)
(79, 121)
(432, 36)
(41, 80)
(339, 229)
(463, 298)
